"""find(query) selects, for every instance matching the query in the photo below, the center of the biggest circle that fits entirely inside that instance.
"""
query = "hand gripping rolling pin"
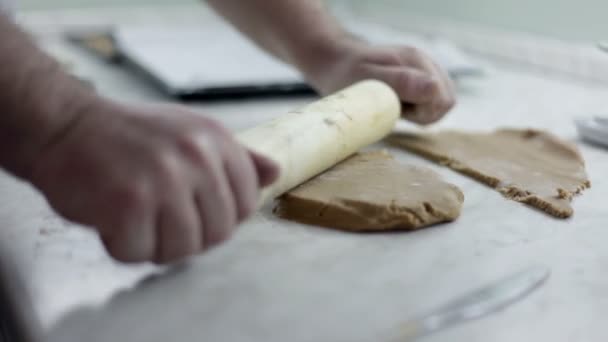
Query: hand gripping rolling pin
(310, 140)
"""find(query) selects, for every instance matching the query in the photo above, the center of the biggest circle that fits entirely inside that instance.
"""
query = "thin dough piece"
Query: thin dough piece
(528, 166)
(372, 192)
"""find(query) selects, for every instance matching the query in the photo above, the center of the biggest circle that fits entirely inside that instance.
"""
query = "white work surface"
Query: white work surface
(280, 281)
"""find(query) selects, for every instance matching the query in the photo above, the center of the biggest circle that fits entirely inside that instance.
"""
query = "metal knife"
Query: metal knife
(475, 305)
(18, 321)
(593, 129)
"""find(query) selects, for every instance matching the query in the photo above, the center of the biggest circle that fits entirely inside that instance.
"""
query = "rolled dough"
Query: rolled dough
(372, 192)
(527, 166)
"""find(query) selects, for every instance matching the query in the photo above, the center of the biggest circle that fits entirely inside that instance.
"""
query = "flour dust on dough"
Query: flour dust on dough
(372, 192)
(528, 166)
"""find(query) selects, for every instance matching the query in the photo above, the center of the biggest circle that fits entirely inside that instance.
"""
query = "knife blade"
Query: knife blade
(593, 129)
(477, 304)
(18, 320)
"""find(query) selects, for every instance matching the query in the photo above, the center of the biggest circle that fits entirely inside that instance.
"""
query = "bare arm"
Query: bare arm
(38, 100)
(158, 182)
(298, 32)
(304, 34)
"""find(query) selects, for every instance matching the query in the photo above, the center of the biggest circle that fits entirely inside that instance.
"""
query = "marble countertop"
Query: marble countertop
(281, 281)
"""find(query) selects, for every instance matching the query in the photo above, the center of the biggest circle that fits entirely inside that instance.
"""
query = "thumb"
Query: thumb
(267, 170)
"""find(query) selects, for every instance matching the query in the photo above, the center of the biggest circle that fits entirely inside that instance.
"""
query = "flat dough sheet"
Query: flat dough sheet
(372, 192)
(527, 166)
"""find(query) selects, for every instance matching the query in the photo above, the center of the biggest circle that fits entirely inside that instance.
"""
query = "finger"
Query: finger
(215, 201)
(422, 114)
(126, 221)
(242, 178)
(179, 228)
(411, 85)
(445, 97)
(131, 240)
(268, 171)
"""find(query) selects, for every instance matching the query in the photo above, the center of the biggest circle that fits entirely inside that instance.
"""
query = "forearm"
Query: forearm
(300, 32)
(37, 98)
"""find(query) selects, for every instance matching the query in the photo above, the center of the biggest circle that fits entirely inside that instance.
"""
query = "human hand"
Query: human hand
(159, 183)
(426, 90)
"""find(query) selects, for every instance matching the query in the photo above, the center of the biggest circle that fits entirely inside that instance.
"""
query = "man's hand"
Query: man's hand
(303, 33)
(159, 183)
(424, 88)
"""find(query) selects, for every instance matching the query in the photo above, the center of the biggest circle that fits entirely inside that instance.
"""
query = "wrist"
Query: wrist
(53, 101)
(316, 50)
(320, 59)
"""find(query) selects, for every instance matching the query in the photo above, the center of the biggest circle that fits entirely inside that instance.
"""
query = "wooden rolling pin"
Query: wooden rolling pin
(308, 141)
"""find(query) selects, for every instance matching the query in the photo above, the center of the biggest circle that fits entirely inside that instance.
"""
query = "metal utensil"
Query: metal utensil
(474, 305)
(593, 129)
(18, 321)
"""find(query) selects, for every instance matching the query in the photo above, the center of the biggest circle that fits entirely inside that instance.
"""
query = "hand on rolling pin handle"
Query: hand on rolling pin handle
(159, 183)
(426, 90)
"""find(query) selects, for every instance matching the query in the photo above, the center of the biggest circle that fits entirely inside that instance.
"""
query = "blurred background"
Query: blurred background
(576, 20)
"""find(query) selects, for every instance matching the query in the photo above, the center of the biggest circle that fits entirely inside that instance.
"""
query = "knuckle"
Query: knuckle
(131, 198)
(230, 148)
(429, 87)
(386, 55)
(197, 148)
(404, 81)
(216, 127)
(165, 164)
(390, 56)
(394, 58)
(187, 141)
(412, 52)
(417, 86)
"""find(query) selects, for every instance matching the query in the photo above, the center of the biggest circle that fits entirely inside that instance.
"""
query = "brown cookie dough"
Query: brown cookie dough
(372, 192)
(527, 166)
